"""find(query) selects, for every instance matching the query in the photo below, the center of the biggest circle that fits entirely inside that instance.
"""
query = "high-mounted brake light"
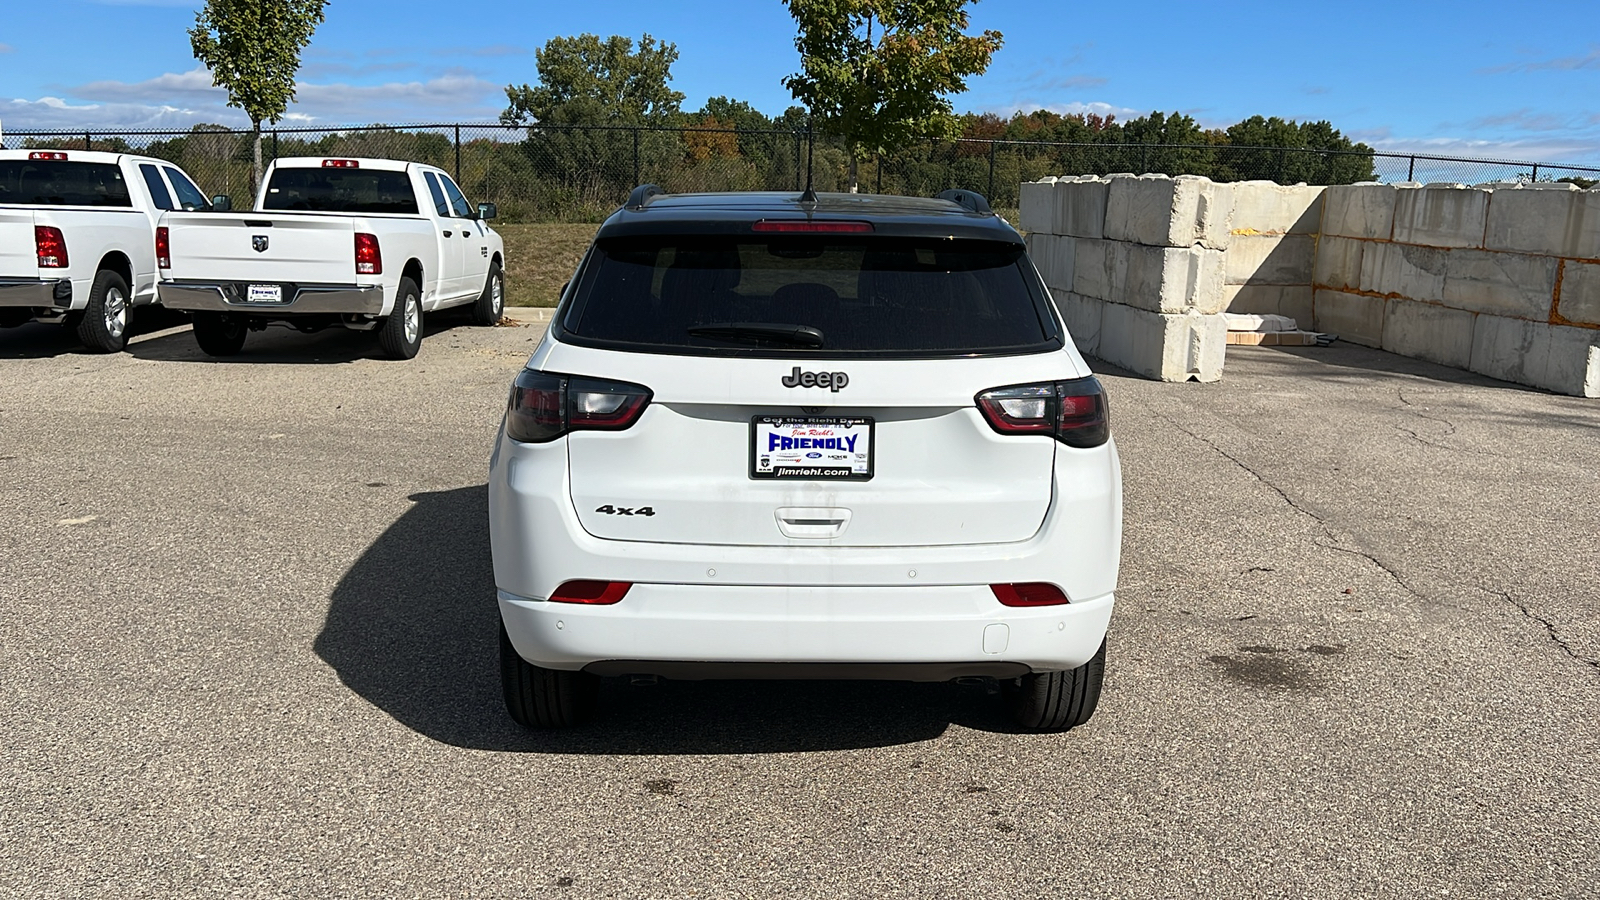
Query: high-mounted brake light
(55, 156)
(1073, 412)
(163, 248)
(51, 247)
(596, 593)
(807, 226)
(369, 259)
(1029, 593)
(544, 406)
(341, 164)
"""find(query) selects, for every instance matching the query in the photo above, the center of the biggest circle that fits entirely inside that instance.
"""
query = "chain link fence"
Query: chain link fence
(581, 173)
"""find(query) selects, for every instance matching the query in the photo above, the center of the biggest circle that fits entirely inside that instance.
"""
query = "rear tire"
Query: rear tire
(220, 334)
(1057, 701)
(537, 697)
(491, 303)
(104, 326)
(400, 335)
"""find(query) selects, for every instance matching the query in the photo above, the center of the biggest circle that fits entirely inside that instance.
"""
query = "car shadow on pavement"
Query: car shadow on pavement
(281, 344)
(413, 628)
(37, 340)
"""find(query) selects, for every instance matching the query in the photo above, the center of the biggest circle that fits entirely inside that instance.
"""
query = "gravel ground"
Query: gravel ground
(248, 649)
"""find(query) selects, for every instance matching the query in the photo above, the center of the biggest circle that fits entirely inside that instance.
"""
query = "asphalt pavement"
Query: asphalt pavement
(247, 649)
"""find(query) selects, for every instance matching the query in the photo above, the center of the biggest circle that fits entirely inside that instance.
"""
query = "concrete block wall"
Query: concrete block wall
(1499, 279)
(1137, 267)
(1503, 280)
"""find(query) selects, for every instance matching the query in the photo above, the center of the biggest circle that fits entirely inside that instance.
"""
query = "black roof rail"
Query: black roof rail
(967, 200)
(640, 197)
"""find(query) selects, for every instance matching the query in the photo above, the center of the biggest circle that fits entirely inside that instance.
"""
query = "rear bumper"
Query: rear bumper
(36, 292)
(906, 633)
(301, 299)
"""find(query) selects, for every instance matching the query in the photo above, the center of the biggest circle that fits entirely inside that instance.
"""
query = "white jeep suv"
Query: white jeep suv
(824, 436)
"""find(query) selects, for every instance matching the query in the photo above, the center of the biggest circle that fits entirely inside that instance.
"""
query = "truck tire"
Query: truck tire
(104, 326)
(400, 335)
(1057, 701)
(220, 334)
(491, 303)
(537, 697)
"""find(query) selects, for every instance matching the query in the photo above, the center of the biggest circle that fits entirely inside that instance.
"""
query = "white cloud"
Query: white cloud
(6, 48)
(1074, 108)
(178, 100)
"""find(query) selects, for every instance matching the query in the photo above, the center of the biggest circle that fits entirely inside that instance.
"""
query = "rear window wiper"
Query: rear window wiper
(760, 333)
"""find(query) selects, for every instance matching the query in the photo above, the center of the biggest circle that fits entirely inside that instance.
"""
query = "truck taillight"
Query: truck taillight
(54, 156)
(163, 248)
(369, 260)
(340, 164)
(51, 247)
(1073, 412)
(544, 406)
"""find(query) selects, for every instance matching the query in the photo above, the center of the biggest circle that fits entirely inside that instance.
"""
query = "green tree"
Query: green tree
(586, 81)
(879, 73)
(252, 48)
(1261, 145)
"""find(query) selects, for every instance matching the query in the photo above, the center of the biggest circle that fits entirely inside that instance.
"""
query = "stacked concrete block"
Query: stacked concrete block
(1166, 347)
(1158, 211)
(1272, 250)
(1121, 245)
(1441, 215)
(1555, 219)
(1579, 302)
(1555, 357)
(1357, 318)
(1264, 207)
(1364, 211)
(1427, 331)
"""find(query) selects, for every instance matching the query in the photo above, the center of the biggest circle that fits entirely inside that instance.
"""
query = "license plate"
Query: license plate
(820, 447)
(265, 293)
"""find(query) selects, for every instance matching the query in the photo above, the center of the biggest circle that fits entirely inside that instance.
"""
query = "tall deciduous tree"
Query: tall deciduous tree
(880, 73)
(586, 81)
(252, 48)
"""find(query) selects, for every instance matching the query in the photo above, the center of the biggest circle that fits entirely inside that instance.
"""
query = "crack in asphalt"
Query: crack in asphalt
(1328, 530)
(1549, 627)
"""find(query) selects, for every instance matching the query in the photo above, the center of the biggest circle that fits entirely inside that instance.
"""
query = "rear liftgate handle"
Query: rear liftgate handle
(812, 522)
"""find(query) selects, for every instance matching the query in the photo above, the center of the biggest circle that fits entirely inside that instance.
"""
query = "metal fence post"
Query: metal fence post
(797, 185)
(990, 195)
(88, 142)
(1535, 175)
(1144, 159)
(458, 155)
(1411, 169)
(274, 144)
(636, 179)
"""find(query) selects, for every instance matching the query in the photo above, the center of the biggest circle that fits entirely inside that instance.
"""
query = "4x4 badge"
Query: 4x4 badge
(833, 381)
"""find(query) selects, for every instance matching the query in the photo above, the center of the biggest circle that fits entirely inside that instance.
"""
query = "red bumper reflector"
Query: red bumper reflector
(1028, 593)
(597, 593)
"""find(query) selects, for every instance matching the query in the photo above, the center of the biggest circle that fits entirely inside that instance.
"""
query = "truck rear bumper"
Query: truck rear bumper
(36, 292)
(299, 299)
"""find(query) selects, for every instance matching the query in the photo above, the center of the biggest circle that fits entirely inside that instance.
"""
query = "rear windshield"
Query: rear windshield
(52, 183)
(341, 190)
(866, 295)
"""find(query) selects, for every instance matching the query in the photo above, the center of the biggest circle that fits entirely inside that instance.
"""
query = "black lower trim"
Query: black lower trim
(702, 671)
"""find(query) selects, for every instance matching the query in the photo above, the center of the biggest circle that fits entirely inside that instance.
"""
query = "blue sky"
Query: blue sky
(1461, 77)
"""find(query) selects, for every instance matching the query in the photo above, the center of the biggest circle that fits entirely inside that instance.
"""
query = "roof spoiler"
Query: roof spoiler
(968, 200)
(641, 196)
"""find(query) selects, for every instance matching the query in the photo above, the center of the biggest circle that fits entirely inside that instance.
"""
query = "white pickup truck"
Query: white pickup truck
(367, 244)
(78, 237)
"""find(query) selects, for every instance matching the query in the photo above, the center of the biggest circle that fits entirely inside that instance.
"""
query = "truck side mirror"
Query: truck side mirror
(222, 203)
(486, 211)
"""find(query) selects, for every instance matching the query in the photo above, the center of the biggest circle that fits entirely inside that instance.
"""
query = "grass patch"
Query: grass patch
(540, 259)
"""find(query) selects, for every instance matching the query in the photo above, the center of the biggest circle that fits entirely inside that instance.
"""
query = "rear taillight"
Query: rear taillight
(54, 156)
(341, 164)
(1073, 412)
(595, 593)
(163, 248)
(1029, 593)
(544, 406)
(51, 247)
(369, 260)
